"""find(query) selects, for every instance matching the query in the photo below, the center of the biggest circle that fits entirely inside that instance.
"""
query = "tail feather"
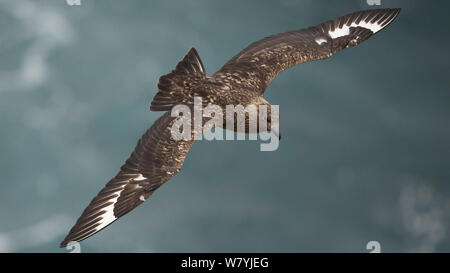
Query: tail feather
(175, 87)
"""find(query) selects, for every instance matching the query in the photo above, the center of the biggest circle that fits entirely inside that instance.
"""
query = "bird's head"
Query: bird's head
(272, 117)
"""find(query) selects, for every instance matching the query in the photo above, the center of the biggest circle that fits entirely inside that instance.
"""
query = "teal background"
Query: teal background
(364, 154)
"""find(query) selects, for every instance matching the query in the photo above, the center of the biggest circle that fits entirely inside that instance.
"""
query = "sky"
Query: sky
(365, 150)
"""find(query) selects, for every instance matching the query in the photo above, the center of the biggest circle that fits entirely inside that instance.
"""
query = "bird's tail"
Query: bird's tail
(175, 88)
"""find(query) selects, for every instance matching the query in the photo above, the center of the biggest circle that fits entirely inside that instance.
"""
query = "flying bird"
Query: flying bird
(241, 81)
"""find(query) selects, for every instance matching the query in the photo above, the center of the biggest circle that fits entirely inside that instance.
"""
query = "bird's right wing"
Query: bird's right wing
(263, 60)
(156, 158)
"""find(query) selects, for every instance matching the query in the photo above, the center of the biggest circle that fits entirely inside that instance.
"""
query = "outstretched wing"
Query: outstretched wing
(156, 158)
(263, 60)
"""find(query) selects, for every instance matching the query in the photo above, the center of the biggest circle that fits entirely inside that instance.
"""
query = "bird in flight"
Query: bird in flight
(241, 81)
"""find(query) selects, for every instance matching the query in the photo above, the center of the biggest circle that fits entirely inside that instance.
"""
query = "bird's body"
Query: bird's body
(241, 81)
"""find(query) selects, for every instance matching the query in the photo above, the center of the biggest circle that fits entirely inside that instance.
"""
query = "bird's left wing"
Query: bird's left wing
(263, 60)
(156, 158)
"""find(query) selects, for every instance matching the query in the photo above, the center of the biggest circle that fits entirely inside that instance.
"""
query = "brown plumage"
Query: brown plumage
(241, 81)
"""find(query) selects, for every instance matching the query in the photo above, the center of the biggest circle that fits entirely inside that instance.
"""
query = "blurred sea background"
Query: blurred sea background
(364, 156)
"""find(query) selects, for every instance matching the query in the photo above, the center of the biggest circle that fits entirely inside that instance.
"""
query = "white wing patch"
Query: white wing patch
(140, 178)
(320, 41)
(345, 30)
(339, 32)
(108, 217)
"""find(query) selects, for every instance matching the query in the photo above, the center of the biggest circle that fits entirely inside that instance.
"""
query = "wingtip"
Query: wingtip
(393, 16)
(397, 10)
(64, 243)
